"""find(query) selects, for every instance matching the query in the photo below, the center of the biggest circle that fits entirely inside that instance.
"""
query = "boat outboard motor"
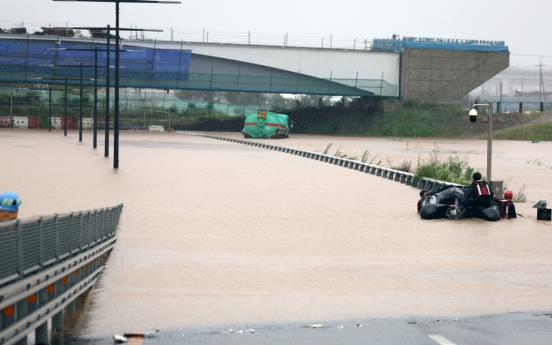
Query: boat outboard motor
(447, 202)
(456, 210)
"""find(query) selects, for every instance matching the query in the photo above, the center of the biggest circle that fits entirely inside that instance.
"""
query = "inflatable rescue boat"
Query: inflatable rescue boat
(451, 202)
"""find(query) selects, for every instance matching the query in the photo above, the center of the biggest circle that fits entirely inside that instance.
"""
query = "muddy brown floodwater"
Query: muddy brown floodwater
(214, 232)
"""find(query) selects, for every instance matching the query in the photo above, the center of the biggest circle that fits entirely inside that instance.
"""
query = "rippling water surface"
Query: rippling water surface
(215, 232)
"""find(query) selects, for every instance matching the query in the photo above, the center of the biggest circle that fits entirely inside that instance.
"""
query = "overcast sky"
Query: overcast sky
(523, 25)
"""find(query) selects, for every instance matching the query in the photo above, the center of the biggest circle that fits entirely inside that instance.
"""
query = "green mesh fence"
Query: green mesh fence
(35, 61)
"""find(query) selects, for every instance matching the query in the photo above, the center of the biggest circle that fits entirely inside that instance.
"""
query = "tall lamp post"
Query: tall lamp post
(116, 120)
(473, 118)
(107, 86)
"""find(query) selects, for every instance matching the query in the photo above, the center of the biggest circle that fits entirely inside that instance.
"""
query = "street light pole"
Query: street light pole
(80, 106)
(65, 115)
(473, 114)
(95, 137)
(490, 143)
(11, 107)
(116, 122)
(107, 86)
(50, 109)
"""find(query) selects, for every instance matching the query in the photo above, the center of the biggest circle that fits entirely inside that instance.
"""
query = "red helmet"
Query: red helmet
(508, 194)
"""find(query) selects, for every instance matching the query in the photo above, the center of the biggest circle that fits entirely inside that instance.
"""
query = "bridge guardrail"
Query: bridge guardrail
(27, 245)
(46, 263)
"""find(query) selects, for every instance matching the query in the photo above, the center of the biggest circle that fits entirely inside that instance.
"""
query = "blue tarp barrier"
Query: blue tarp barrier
(46, 62)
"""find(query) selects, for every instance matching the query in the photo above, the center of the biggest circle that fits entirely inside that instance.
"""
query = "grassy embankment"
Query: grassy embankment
(534, 133)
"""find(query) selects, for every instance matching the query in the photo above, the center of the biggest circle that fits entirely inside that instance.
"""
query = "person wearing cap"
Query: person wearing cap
(506, 206)
(481, 194)
(9, 205)
(423, 194)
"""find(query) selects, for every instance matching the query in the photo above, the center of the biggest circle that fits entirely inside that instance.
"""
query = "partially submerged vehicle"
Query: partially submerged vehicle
(451, 202)
(265, 124)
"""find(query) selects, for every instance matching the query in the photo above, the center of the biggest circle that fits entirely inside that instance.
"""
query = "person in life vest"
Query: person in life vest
(480, 194)
(507, 207)
(9, 205)
(423, 194)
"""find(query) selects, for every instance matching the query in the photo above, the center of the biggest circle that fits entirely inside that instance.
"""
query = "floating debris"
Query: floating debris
(119, 339)
(316, 325)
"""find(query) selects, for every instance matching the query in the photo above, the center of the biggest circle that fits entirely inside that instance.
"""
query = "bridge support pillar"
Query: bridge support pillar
(57, 322)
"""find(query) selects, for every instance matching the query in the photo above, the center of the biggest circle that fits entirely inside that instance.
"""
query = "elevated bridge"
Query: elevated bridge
(424, 69)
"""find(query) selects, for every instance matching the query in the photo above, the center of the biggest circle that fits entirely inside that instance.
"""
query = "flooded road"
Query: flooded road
(214, 232)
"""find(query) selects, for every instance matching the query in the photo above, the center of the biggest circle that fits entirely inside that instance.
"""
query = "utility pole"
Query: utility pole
(541, 81)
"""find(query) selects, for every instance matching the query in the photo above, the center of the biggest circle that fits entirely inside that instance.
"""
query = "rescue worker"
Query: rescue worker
(9, 205)
(423, 194)
(481, 194)
(507, 207)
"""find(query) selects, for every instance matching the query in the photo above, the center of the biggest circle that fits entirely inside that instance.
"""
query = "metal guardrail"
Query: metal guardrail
(391, 174)
(46, 263)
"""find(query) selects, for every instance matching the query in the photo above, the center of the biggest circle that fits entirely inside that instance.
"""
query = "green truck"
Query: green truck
(265, 124)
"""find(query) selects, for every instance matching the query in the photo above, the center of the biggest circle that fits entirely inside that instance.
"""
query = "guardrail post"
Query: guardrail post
(8, 316)
(22, 308)
(398, 175)
(70, 282)
(41, 332)
(19, 249)
(57, 322)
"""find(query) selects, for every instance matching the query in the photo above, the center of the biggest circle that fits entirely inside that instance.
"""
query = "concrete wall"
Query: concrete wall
(446, 75)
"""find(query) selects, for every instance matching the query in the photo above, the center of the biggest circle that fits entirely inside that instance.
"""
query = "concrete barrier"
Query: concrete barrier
(391, 174)
(20, 122)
